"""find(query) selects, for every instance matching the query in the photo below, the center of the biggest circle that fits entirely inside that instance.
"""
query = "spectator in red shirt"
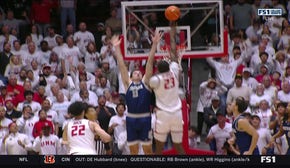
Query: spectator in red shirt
(42, 122)
(13, 89)
(40, 14)
(40, 96)
(20, 97)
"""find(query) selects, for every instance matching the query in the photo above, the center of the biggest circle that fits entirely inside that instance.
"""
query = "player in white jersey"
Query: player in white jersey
(168, 114)
(79, 133)
(166, 88)
(166, 85)
(46, 143)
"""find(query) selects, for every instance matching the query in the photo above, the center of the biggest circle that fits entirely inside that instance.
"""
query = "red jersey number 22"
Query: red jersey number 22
(78, 130)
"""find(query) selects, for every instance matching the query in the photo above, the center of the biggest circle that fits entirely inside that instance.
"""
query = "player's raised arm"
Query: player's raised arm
(149, 65)
(115, 41)
(174, 56)
(105, 137)
(173, 50)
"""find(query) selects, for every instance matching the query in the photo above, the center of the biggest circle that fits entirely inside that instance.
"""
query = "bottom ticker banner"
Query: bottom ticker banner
(142, 160)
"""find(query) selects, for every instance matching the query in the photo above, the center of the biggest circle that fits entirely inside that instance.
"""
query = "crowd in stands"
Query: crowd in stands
(257, 69)
(42, 72)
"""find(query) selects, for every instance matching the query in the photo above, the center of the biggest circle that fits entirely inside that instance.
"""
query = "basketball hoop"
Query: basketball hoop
(185, 33)
(165, 50)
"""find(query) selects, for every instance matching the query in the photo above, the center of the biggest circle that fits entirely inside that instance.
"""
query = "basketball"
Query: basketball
(172, 13)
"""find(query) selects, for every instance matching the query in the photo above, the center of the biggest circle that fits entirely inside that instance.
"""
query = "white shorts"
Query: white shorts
(167, 122)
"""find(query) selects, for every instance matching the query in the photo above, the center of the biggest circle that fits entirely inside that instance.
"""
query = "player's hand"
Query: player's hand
(115, 41)
(156, 38)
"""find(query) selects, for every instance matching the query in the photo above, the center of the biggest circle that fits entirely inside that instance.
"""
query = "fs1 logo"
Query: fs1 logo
(268, 159)
(269, 12)
(49, 159)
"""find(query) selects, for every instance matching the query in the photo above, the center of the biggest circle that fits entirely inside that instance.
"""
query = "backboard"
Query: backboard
(200, 31)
